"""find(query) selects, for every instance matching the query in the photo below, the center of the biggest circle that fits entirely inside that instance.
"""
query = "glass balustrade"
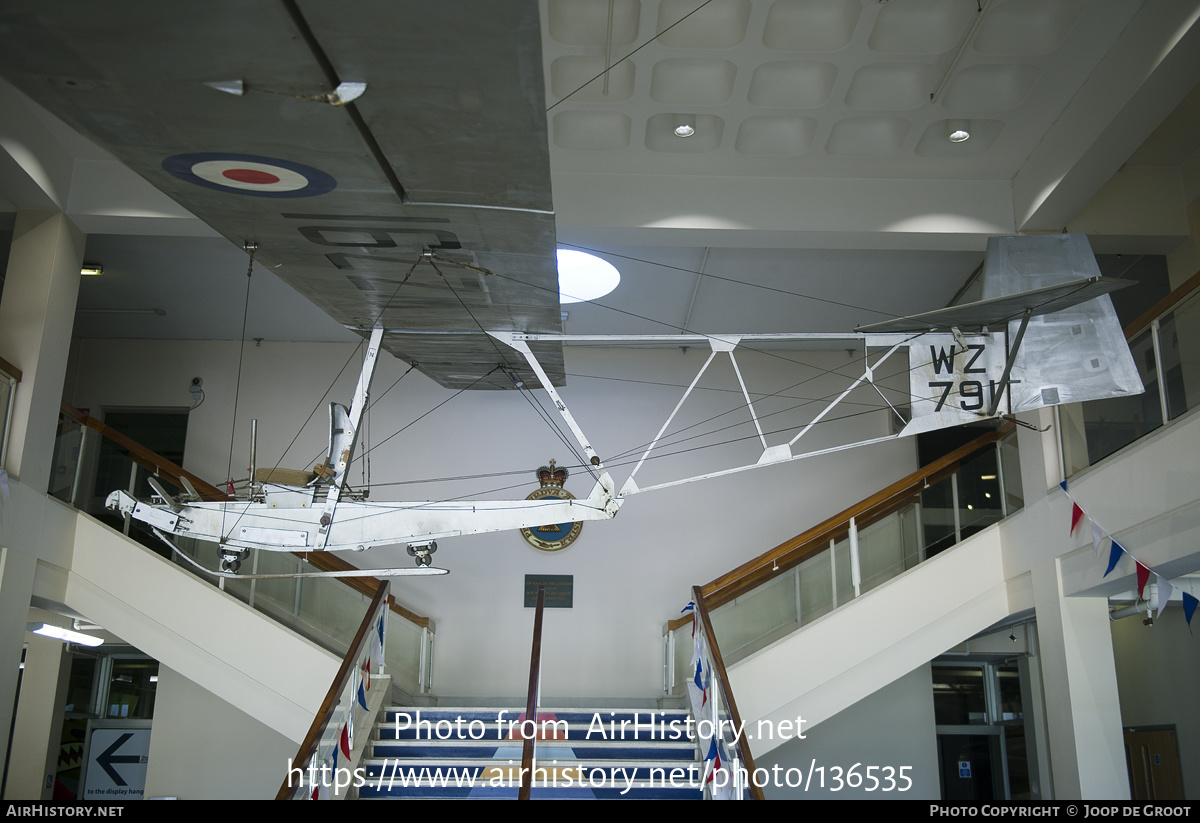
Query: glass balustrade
(878, 545)
(1167, 356)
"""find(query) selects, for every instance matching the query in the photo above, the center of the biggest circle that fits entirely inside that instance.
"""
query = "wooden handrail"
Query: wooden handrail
(1160, 308)
(678, 623)
(308, 746)
(714, 651)
(9, 369)
(792, 552)
(143, 455)
(535, 668)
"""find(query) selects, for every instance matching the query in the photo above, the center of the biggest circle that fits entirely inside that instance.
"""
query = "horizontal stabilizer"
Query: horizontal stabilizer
(1000, 310)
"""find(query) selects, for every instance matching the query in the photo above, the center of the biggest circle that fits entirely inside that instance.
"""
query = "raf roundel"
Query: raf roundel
(250, 174)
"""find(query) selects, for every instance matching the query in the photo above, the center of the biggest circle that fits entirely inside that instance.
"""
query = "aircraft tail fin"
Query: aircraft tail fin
(1067, 356)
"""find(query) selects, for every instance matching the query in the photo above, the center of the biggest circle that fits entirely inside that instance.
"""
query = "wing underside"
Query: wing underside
(423, 205)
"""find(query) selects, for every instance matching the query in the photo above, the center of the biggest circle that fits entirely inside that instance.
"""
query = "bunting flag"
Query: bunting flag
(1097, 537)
(366, 667)
(1114, 556)
(700, 675)
(378, 642)
(714, 758)
(1142, 571)
(690, 607)
(723, 790)
(1076, 516)
(362, 694)
(345, 742)
(1143, 574)
(1164, 593)
(1189, 607)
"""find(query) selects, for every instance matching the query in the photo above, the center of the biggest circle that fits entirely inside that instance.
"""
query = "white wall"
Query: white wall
(631, 575)
(204, 748)
(892, 727)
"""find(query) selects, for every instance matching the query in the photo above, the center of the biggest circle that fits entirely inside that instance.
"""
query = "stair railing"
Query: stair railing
(852, 522)
(335, 717)
(733, 780)
(152, 462)
(341, 600)
(529, 727)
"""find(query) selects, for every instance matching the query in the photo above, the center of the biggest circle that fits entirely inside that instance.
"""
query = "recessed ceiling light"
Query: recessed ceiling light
(957, 131)
(685, 125)
(583, 276)
(91, 269)
(959, 135)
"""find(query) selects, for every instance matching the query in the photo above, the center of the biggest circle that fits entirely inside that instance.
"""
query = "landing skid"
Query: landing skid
(420, 571)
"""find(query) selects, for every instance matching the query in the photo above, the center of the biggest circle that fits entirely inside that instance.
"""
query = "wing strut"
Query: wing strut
(1012, 358)
(520, 345)
(344, 436)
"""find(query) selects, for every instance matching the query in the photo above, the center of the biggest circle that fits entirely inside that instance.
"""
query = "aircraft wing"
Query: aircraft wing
(230, 109)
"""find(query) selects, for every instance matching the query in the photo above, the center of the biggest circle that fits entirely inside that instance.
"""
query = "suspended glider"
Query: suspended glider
(342, 143)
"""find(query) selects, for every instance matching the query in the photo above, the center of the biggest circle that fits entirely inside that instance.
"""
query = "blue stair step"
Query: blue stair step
(473, 753)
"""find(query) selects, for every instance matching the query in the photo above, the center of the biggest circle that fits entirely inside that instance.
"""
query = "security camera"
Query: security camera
(197, 388)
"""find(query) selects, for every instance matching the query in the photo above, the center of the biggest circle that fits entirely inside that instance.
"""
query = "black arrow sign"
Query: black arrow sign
(109, 758)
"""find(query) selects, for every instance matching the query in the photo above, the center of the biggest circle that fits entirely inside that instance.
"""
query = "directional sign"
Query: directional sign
(116, 763)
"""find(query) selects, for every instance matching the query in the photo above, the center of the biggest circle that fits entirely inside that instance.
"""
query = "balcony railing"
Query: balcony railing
(1165, 342)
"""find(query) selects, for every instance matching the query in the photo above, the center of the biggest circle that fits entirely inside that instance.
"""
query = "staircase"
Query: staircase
(474, 753)
(943, 601)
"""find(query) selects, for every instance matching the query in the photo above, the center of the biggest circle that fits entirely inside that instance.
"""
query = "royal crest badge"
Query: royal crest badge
(555, 536)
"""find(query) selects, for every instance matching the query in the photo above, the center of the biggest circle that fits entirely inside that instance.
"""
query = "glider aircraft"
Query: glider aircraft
(354, 165)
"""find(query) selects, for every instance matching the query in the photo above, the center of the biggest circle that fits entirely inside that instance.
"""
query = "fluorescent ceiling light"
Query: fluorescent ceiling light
(583, 276)
(59, 633)
(91, 269)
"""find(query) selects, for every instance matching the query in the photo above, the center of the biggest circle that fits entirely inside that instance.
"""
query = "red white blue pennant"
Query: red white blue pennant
(1117, 551)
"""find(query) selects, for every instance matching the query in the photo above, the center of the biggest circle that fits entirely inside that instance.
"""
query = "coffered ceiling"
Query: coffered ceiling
(818, 191)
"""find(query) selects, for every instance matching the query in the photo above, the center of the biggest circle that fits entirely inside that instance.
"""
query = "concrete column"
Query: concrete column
(16, 587)
(37, 315)
(1083, 712)
(38, 729)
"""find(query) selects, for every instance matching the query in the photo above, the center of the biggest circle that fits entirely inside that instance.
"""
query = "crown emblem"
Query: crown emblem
(551, 476)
